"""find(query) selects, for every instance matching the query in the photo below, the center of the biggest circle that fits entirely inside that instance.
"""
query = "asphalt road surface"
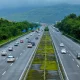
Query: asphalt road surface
(70, 63)
(13, 71)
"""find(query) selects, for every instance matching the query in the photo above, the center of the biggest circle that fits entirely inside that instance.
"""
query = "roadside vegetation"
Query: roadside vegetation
(9, 29)
(70, 25)
(44, 65)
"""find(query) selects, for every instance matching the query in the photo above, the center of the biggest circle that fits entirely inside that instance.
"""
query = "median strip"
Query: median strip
(44, 65)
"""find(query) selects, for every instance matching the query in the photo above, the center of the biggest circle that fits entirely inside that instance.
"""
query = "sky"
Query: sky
(24, 3)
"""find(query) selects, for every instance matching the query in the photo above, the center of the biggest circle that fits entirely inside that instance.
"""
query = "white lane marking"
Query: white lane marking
(73, 59)
(77, 65)
(29, 61)
(4, 72)
(21, 54)
(69, 54)
(11, 64)
(16, 58)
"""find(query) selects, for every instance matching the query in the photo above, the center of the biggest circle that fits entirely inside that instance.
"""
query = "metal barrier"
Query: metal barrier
(61, 70)
(27, 68)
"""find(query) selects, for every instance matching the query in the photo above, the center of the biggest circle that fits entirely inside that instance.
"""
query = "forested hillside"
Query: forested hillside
(9, 29)
(70, 25)
(48, 14)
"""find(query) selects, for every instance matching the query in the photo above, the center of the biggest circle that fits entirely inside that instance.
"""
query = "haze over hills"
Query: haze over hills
(47, 14)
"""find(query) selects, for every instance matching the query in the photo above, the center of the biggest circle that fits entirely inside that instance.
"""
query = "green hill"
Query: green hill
(48, 14)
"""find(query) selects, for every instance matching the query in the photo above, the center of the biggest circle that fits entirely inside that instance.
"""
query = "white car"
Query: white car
(38, 34)
(16, 44)
(10, 59)
(29, 45)
(63, 51)
(10, 48)
(61, 45)
(30, 34)
(4, 53)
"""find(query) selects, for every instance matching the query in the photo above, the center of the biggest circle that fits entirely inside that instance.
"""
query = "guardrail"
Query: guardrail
(61, 69)
(27, 68)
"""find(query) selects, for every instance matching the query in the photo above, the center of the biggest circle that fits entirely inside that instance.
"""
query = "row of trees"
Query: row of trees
(70, 25)
(9, 29)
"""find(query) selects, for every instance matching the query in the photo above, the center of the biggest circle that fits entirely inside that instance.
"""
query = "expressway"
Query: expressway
(70, 63)
(13, 71)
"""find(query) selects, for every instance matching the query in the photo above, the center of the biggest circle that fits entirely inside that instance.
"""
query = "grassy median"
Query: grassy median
(44, 61)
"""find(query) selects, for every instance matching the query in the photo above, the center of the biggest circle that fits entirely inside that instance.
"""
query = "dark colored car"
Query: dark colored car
(33, 43)
(29, 41)
(78, 55)
(36, 38)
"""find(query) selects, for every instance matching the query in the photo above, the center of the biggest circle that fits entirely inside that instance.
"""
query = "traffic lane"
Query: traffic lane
(15, 53)
(16, 70)
(72, 42)
(71, 67)
(74, 46)
(73, 52)
(12, 43)
(19, 47)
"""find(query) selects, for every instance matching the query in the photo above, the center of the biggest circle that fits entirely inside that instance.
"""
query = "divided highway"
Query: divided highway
(70, 63)
(13, 71)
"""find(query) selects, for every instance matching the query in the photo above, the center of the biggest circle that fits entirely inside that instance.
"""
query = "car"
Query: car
(27, 38)
(21, 41)
(36, 38)
(29, 45)
(61, 45)
(38, 34)
(30, 34)
(63, 51)
(78, 55)
(4, 53)
(10, 48)
(33, 43)
(10, 59)
(29, 41)
(16, 44)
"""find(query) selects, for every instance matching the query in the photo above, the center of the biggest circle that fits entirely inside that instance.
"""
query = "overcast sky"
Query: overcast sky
(22, 3)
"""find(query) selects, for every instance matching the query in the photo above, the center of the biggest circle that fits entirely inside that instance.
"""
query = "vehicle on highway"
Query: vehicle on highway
(63, 51)
(16, 44)
(36, 38)
(21, 41)
(61, 45)
(10, 48)
(78, 55)
(27, 38)
(38, 34)
(30, 34)
(29, 45)
(33, 43)
(10, 59)
(4, 53)
(29, 41)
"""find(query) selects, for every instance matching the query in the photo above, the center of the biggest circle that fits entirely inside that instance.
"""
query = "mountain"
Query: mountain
(47, 14)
